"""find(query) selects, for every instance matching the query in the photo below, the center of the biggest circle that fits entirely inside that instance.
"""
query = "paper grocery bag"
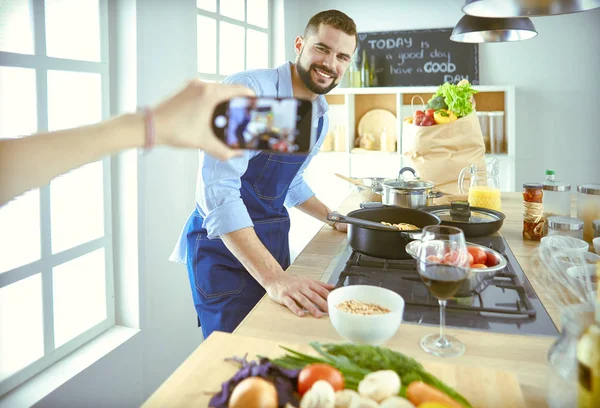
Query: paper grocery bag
(439, 152)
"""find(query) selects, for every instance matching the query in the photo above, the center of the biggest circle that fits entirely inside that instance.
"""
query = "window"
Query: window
(56, 290)
(233, 35)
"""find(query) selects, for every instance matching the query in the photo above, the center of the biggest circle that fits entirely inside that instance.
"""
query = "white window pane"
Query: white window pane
(74, 99)
(73, 29)
(258, 13)
(20, 232)
(257, 44)
(231, 49)
(21, 325)
(233, 9)
(77, 207)
(79, 288)
(18, 113)
(208, 5)
(16, 28)
(207, 45)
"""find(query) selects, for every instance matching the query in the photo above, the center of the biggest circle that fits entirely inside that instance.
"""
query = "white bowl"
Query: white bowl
(584, 274)
(566, 259)
(596, 242)
(565, 243)
(366, 329)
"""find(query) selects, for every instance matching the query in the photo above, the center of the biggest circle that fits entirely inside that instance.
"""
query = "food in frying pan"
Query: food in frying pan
(362, 308)
(402, 226)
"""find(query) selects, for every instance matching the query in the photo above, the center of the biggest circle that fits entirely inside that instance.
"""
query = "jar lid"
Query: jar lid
(557, 187)
(596, 224)
(565, 223)
(532, 185)
(589, 189)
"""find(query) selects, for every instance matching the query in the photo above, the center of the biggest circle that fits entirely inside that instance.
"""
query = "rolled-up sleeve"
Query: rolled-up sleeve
(299, 190)
(218, 193)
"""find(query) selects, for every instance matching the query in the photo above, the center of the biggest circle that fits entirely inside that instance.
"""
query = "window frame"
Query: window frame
(221, 18)
(42, 63)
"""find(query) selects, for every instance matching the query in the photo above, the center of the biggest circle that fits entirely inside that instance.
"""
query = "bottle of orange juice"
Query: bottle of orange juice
(484, 188)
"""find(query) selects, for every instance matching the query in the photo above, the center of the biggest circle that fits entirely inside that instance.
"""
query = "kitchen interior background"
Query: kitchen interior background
(153, 49)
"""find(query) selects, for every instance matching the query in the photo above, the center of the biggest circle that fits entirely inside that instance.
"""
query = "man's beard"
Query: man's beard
(314, 87)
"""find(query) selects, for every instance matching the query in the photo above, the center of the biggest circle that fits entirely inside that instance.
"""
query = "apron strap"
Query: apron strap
(319, 127)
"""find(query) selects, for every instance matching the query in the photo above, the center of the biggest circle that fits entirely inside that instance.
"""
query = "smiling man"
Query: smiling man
(235, 244)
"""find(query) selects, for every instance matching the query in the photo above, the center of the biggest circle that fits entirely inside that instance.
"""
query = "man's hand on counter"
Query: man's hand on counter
(299, 293)
(295, 292)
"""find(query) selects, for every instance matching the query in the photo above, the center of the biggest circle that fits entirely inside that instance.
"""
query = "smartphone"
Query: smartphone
(282, 125)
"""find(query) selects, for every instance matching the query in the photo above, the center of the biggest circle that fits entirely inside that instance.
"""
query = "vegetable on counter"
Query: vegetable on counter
(319, 371)
(320, 395)
(420, 393)
(254, 392)
(283, 380)
(380, 385)
(356, 361)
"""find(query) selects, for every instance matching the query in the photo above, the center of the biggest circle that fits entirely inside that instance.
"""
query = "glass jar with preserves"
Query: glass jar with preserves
(588, 207)
(533, 211)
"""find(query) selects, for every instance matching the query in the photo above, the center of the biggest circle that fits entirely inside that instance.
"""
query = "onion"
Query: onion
(254, 392)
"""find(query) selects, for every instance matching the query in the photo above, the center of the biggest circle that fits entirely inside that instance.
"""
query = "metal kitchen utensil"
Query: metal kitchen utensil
(337, 217)
(478, 276)
(408, 193)
(387, 244)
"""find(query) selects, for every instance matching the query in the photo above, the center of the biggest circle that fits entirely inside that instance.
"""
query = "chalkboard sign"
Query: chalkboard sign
(419, 57)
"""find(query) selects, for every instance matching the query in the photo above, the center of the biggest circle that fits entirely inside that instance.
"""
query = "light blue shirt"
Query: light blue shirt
(218, 197)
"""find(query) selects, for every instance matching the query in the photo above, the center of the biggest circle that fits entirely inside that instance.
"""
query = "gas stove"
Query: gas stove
(505, 303)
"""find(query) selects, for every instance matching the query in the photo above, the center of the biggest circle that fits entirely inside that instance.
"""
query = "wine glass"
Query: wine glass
(443, 265)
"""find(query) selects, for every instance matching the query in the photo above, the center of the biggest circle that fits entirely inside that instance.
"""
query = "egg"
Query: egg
(254, 392)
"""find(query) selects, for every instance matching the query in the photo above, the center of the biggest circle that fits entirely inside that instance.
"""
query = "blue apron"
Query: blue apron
(223, 291)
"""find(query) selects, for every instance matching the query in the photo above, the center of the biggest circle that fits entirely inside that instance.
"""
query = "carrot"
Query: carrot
(419, 392)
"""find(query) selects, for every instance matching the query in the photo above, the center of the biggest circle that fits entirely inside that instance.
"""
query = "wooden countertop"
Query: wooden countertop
(525, 356)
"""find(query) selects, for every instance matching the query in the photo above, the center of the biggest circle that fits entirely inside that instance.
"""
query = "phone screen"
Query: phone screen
(282, 125)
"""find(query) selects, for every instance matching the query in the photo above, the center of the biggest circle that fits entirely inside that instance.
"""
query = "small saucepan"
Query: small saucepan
(407, 193)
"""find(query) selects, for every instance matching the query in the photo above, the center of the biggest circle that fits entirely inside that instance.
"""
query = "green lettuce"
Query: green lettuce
(457, 97)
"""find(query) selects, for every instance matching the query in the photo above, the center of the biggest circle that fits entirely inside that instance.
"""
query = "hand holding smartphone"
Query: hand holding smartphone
(282, 125)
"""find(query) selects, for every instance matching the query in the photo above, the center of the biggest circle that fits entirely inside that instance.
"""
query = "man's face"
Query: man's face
(323, 58)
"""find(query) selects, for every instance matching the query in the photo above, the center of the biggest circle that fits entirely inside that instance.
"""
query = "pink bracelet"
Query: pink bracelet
(150, 131)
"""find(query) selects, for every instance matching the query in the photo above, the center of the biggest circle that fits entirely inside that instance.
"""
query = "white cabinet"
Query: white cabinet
(348, 105)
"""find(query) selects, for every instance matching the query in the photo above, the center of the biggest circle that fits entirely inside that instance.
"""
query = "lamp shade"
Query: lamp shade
(526, 8)
(482, 30)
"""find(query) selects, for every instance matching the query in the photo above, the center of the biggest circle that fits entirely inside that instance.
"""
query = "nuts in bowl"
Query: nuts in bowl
(365, 314)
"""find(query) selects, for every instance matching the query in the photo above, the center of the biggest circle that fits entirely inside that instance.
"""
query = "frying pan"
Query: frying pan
(375, 239)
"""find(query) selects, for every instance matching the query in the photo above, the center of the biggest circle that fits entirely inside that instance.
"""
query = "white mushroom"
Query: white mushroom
(396, 402)
(320, 395)
(379, 385)
(346, 399)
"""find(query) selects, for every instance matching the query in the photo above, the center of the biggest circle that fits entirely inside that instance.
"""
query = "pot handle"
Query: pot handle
(337, 217)
(405, 169)
(435, 194)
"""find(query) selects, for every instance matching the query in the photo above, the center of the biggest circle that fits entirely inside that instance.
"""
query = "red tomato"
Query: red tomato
(451, 258)
(319, 371)
(479, 256)
(478, 266)
(491, 261)
(433, 258)
(429, 112)
(471, 259)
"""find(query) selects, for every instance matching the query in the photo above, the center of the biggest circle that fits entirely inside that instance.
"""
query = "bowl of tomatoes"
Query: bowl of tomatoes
(484, 264)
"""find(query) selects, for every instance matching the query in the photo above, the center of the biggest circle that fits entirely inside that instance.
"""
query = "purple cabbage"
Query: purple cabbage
(284, 380)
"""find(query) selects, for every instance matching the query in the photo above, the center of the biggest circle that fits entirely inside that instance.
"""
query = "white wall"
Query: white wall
(555, 75)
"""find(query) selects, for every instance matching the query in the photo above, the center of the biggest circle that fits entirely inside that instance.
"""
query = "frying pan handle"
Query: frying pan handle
(337, 217)
(435, 194)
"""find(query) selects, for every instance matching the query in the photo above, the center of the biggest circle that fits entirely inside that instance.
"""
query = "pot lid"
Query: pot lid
(461, 212)
(407, 185)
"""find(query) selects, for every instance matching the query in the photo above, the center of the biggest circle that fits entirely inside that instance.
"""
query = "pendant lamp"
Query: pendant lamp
(483, 30)
(526, 8)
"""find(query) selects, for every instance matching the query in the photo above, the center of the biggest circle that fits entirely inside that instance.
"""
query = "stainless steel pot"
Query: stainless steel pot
(407, 193)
